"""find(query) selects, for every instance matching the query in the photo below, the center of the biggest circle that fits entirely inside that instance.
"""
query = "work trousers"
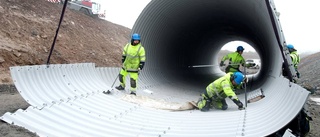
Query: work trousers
(133, 79)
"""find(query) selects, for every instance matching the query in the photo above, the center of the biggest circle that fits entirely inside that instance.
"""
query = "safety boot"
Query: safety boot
(120, 87)
(224, 104)
(133, 93)
(203, 104)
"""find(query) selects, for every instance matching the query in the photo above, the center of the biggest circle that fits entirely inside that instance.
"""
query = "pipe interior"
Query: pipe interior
(182, 33)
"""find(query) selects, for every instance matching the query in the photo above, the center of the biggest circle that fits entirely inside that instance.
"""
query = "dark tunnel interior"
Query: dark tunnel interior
(181, 33)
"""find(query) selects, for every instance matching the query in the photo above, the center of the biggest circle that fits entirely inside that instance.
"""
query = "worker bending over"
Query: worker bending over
(217, 91)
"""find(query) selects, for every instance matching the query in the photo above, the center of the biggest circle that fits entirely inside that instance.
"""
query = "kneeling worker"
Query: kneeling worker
(217, 91)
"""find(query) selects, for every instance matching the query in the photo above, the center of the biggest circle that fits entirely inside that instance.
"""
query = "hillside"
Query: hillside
(28, 27)
(309, 69)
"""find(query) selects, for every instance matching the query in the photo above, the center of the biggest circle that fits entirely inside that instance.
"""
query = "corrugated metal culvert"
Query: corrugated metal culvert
(67, 99)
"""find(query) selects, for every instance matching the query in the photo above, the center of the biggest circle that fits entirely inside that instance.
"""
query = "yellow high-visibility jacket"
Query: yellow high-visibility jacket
(295, 58)
(222, 88)
(134, 55)
(235, 59)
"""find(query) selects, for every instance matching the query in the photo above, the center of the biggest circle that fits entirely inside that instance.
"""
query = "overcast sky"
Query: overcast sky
(299, 19)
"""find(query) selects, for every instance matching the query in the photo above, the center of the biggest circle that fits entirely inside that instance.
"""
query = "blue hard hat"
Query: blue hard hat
(136, 36)
(240, 48)
(290, 46)
(238, 77)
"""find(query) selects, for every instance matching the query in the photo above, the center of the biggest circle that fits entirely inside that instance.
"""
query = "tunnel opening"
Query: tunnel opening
(180, 34)
(252, 58)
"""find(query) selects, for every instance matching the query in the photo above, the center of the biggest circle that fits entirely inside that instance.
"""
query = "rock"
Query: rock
(2, 59)
(14, 7)
(34, 33)
(43, 36)
(16, 53)
(1, 10)
(7, 88)
(5, 80)
(45, 49)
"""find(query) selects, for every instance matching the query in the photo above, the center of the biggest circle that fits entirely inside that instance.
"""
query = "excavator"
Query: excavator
(87, 7)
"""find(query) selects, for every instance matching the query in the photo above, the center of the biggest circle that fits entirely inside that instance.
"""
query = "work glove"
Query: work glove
(123, 59)
(221, 63)
(298, 74)
(240, 106)
(141, 65)
(246, 80)
(238, 103)
(243, 86)
(139, 69)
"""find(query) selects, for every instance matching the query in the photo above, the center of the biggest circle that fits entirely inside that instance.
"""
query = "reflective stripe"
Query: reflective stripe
(142, 56)
(209, 93)
(225, 86)
(135, 56)
(131, 57)
(233, 97)
(295, 59)
(234, 65)
(235, 59)
(216, 91)
(132, 70)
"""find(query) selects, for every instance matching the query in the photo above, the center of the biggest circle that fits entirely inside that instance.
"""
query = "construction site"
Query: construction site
(57, 61)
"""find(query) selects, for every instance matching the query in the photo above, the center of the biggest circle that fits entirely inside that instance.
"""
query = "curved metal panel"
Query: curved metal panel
(92, 113)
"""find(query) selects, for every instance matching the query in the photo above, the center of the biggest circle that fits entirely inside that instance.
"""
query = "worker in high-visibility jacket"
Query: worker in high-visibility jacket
(133, 60)
(294, 57)
(235, 60)
(217, 91)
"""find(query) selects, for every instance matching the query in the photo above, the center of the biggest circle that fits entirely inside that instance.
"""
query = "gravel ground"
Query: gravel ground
(11, 101)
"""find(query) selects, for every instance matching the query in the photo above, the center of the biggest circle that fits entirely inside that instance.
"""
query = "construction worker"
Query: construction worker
(217, 91)
(235, 60)
(294, 57)
(133, 60)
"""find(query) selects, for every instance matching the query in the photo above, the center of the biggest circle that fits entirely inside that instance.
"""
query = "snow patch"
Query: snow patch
(316, 99)
(157, 103)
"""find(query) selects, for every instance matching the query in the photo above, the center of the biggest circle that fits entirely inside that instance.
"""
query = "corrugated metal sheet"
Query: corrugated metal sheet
(67, 100)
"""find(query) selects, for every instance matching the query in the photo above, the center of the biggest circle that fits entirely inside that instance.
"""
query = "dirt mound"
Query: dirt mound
(28, 27)
(309, 69)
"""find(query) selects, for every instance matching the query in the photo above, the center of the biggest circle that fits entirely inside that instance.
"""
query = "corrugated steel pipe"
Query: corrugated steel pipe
(181, 33)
